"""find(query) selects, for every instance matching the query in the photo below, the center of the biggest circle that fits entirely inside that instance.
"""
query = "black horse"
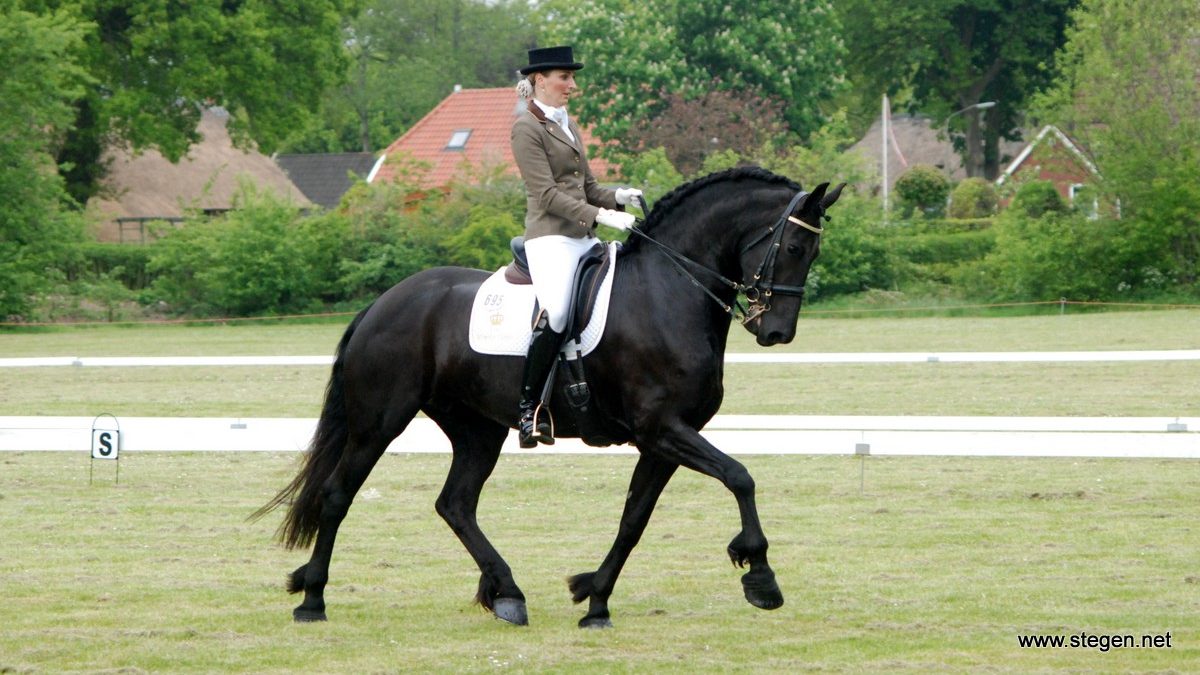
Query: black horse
(655, 380)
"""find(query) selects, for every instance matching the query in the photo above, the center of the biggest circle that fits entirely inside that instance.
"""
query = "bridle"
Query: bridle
(762, 286)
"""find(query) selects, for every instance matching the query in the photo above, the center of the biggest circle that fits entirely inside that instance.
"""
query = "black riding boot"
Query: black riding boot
(542, 352)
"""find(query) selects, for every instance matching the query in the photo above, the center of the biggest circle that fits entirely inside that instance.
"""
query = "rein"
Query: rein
(758, 294)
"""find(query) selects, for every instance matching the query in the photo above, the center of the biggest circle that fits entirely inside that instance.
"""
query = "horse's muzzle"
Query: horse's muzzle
(766, 337)
(774, 337)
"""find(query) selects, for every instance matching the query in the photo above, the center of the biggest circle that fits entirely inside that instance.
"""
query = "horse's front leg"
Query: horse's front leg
(650, 476)
(685, 446)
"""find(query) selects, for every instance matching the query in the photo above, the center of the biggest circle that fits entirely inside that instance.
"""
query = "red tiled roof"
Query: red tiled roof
(488, 115)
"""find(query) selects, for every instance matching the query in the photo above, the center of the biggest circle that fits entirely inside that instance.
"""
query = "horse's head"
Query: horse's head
(775, 266)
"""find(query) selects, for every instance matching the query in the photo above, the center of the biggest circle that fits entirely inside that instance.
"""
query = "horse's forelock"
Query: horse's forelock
(669, 202)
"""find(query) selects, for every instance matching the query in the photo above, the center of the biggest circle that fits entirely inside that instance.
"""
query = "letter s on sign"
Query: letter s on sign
(106, 443)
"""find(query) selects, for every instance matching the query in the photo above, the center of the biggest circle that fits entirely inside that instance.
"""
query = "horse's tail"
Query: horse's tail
(304, 494)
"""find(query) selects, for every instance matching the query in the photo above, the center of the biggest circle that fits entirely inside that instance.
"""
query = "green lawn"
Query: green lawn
(938, 566)
(1174, 329)
(1084, 389)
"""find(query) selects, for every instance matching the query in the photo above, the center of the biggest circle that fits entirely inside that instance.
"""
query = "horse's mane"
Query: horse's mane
(672, 199)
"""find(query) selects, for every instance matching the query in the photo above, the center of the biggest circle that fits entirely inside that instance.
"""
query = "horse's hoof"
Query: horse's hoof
(598, 622)
(761, 590)
(511, 610)
(302, 615)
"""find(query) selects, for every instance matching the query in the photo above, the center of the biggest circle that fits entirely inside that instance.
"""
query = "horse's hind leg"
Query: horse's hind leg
(650, 476)
(476, 442)
(338, 491)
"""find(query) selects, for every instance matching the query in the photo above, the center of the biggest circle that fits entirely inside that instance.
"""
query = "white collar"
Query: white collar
(549, 110)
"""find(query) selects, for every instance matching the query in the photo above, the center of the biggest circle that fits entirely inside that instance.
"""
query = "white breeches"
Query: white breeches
(552, 263)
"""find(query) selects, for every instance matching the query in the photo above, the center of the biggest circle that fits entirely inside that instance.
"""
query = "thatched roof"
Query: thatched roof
(148, 185)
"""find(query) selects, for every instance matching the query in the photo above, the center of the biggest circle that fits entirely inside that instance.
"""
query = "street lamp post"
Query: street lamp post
(982, 105)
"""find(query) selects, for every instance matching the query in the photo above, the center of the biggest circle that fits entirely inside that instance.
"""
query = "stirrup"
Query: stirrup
(529, 433)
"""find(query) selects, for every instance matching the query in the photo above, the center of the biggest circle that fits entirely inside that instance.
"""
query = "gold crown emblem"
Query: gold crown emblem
(497, 318)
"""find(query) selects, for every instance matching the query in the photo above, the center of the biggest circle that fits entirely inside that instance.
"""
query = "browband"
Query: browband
(805, 225)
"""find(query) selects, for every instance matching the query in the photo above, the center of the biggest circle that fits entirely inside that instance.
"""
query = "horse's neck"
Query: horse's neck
(705, 236)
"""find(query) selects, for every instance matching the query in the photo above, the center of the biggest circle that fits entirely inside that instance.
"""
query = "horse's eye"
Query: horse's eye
(793, 249)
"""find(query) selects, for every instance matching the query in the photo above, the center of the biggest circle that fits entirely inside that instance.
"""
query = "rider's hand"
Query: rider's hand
(627, 196)
(615, 219)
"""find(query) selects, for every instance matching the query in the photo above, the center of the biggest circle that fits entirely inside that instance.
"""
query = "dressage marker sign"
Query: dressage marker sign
(106, 444)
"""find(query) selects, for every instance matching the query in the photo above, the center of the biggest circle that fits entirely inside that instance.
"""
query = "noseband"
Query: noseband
(762, 287)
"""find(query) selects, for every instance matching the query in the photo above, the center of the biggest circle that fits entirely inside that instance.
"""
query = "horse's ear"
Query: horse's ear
(829, 199)
(811, 203)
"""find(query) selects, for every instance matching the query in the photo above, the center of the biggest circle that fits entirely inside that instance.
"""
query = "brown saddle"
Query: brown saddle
(588, 278)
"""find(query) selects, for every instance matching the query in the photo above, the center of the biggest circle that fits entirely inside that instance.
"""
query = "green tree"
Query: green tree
(405, 57)
(1129, 91)
(940, 56)
(40, 81)
(155, 63)
(639, 53)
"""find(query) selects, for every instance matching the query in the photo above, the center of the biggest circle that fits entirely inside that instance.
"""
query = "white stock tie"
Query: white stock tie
(560, 117)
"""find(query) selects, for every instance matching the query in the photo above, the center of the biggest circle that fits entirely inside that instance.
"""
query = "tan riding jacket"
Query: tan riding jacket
(562, 195)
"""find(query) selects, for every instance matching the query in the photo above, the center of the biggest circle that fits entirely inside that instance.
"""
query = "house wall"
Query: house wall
(1052, 161)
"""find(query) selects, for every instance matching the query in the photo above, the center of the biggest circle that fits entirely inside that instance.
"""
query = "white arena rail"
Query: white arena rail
(1144, 437)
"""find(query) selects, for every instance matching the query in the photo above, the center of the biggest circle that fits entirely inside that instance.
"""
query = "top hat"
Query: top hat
(550, 58)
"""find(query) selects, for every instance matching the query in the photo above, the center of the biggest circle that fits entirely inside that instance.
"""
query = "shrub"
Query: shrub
(1037, 198)
(652, 173)
(120, 262)
(250, 261)
(390, 235)
(973, 198)
(1055, 256)
(922, 189)
(855, 255)
(483, 243)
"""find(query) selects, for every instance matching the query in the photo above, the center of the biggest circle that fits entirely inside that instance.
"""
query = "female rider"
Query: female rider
(564, 203)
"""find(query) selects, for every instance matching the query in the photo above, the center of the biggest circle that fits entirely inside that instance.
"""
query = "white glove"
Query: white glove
(615, 219)
(626, 196)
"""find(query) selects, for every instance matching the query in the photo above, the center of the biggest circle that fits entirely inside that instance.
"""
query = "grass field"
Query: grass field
(1113, 389)
(939, 564)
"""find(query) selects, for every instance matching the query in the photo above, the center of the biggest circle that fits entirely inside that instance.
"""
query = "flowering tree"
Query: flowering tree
(640, 53)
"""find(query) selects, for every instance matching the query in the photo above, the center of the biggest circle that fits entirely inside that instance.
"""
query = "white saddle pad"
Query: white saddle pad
(502, 316)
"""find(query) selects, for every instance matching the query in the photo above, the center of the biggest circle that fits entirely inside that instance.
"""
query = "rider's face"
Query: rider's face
(555, 87)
